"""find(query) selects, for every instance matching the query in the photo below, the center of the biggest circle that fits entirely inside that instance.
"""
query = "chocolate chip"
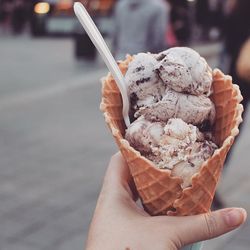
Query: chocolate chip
(186, 92)
(173, 74)
(139, 68)
(205, 126)
(175, 153)
(160, 68)
(142, 80)
(191, 163)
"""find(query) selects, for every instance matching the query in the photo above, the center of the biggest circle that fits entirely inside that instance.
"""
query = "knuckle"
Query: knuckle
(112, 161)
(115, 157)
(211, 225)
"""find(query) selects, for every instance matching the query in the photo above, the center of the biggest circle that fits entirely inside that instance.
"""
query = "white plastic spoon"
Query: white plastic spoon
(109, 60)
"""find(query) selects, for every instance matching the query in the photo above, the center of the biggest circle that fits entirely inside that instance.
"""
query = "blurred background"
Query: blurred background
(55, 146)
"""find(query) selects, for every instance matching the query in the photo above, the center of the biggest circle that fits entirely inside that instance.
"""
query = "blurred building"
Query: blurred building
(50, 16)
(57, 16)
(13, 15)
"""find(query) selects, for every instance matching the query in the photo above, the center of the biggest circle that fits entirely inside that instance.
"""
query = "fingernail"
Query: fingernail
(235, 217)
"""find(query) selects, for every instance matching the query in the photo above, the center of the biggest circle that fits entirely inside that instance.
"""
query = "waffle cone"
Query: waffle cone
(160, 192)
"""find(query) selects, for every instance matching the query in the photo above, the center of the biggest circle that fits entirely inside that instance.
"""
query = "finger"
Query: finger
(117, 171)
(210, 225)
(118, 177)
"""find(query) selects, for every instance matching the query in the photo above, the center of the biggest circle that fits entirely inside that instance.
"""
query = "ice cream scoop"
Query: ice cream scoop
(197, 110)
(141, 70)
(176, 145)
(143, 84)
(143, 134)
(184, 70)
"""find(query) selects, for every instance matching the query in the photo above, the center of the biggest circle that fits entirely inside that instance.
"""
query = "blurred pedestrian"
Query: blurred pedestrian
(202, 12)
(180, 22)
(236, 31)
(18, 16)
(5, 14)
(209, 16)
(216, 18)
(228, 6)
(140, 26)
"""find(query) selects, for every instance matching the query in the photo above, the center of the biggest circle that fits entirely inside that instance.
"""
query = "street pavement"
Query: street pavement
(55, 147)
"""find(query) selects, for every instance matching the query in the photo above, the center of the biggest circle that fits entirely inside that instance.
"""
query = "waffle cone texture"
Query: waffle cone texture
(160, 192)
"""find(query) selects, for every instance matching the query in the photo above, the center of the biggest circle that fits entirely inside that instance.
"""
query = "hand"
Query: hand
(120, 224)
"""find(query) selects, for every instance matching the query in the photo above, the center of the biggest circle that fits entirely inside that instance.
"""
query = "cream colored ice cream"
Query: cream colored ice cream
(143, 84)
(176, 145)
(197, 110)
(143, 134)
(169, 96)
(184, 70)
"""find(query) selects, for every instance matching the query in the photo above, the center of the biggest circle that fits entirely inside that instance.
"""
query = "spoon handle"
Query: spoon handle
(103, 49)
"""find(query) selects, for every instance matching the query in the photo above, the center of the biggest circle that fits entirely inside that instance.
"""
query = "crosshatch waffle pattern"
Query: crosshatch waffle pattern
(160, 192)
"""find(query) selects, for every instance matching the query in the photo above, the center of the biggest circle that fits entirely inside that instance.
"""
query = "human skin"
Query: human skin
(120, 224)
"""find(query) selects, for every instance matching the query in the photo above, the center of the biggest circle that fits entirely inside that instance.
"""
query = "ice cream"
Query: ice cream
(184, 70)
(169, 95)
(143, 84)
(197, 110)
(176, 145)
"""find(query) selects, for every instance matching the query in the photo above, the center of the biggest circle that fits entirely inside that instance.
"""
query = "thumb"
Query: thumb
(118, 178)
(210, 225)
